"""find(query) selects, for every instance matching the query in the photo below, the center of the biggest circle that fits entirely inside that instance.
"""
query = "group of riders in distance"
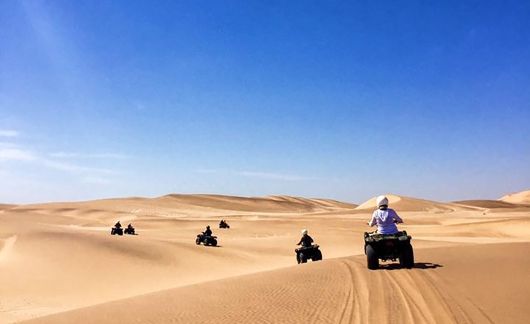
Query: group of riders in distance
(386, 243)
(117, 229)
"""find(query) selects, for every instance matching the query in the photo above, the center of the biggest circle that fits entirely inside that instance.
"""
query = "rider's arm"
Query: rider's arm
(373, 221)
(397, 218)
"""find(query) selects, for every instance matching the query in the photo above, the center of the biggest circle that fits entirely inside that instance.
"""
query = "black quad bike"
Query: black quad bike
(305, 253)
(206, 240)
(129, 231)
(224, 225)
(388, 247)
(116, 231)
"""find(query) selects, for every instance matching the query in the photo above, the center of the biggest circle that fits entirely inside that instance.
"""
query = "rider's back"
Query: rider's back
(385, 220)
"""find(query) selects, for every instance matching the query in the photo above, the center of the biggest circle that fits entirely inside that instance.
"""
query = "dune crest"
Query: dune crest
(403, 203)
(522, 197)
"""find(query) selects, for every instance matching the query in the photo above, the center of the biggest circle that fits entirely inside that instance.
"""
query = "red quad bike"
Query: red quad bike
(388, 247)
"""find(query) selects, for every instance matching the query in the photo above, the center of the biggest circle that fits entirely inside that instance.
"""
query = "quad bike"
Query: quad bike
(388, 247)
(224, 225)
(305, 253)
(130, 231)
(206, 240)
(116, 230)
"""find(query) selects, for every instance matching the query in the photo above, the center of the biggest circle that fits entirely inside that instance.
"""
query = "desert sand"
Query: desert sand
(59, 263)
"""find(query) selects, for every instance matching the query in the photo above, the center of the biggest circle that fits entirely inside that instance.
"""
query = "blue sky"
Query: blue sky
(343, 100)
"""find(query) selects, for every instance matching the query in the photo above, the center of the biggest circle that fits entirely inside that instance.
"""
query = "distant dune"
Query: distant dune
(263, 204)
(204, 204)
(489, 204)
(402, 203)
(522, 197)
(6, 206)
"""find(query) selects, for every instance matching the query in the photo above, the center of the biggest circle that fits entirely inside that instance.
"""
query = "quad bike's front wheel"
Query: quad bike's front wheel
(372, 259)
(302, 257)
(198, 241)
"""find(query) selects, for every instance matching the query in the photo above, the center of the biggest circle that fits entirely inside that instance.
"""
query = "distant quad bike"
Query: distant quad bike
(305, 253)
(206, 240)
(388, 247)
(224, 225)
(130, 231)
(116, 230)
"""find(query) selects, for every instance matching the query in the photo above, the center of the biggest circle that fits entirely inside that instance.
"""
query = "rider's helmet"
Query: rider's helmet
(208, 227)
(382, 201)
(304, 232)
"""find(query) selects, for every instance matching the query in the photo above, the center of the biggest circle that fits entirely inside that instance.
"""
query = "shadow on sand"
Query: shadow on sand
(417, 265)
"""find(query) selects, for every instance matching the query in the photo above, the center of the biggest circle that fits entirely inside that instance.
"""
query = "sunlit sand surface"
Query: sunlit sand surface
(59, 263)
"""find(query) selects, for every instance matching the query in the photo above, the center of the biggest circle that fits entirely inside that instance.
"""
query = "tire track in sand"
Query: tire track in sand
(346, 313)
(416, 296)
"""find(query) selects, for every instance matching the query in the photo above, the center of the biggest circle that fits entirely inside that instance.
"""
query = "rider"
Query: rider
(208, 231)
(117, 225)
(385, 218)
(130, 226)
(306, 240)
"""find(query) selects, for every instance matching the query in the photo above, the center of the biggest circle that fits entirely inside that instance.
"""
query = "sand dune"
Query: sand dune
(59, 258)
(188, 205)
(522, 197)
(6, 206)
(402, 203)
(7, 247)
(446, 288)
(488, 204)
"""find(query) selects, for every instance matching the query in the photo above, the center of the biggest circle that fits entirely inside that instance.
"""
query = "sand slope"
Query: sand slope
(343, 291)
(522, 197)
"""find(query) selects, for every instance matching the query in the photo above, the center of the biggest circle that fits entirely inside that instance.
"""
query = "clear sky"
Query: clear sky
(342, 100)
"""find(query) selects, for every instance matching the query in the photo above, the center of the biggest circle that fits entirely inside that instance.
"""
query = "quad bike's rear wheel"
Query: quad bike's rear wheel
(372, 260)
(317, 256)
(406, 259)
(214, 242)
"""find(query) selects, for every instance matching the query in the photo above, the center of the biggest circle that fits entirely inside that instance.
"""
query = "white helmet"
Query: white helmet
(304, 232)
(382, 200)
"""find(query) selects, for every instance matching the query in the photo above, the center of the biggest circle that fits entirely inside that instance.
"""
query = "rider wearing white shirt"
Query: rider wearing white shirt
(385, 218)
